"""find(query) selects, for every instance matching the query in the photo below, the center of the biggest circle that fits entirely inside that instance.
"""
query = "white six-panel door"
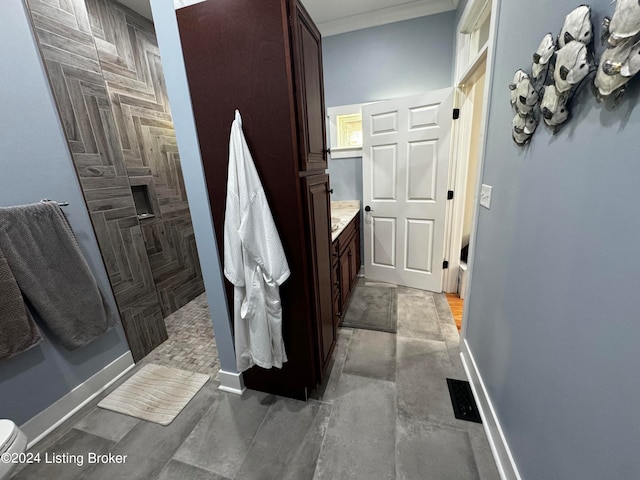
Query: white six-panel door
(406, 145)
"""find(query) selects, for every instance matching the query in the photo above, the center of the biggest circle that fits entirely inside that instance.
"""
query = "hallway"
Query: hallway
(384, 413)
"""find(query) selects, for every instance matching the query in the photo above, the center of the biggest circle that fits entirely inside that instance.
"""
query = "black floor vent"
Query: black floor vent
(464, 405)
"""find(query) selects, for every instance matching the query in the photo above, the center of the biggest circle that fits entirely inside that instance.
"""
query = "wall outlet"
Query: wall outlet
(485, 196)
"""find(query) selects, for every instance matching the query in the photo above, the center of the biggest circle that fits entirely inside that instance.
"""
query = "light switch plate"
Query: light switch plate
(485, 196)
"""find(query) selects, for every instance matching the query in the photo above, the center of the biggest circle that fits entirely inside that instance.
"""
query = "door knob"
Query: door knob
(368, 209)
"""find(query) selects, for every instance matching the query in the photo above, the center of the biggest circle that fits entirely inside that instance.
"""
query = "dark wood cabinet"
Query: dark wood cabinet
(264, 59)
(346, 250)
(308, 73)
(318, 213)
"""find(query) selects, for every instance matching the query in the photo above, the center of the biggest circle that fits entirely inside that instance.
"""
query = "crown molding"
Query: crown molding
(383, 16)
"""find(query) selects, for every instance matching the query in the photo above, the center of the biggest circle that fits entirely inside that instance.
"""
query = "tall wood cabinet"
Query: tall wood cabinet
(265, 59)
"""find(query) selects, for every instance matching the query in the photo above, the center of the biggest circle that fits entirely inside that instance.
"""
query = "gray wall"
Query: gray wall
(35, 164)
(380, 63)
(175, 75)
(553, 306)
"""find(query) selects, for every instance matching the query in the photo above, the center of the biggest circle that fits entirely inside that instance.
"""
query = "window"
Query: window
(349, 130)
(345, 131)
(473, 36)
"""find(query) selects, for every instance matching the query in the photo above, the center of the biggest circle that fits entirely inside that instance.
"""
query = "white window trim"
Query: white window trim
(332, 113)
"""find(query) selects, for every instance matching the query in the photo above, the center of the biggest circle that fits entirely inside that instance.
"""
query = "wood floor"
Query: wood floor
(456, 304)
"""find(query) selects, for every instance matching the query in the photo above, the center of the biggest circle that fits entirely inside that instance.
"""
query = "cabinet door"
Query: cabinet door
(316, 189)
(309, 91)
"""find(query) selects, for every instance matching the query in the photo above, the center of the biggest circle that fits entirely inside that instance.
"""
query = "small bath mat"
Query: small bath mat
(372, 307)
(464, 405)
(156, 393)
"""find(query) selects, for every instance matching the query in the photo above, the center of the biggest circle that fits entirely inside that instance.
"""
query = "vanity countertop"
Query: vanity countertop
(342, 212)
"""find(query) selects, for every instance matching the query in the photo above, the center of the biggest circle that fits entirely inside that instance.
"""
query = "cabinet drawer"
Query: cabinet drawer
(345, 237)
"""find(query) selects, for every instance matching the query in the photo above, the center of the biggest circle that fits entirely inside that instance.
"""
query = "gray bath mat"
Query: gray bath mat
(373, 306)
(156, 393)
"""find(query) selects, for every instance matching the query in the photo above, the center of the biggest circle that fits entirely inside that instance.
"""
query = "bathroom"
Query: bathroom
(149, 267)
(67, 379)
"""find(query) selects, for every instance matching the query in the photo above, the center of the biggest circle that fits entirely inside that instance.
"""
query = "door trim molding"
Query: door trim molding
(455, 209)
(497, 441)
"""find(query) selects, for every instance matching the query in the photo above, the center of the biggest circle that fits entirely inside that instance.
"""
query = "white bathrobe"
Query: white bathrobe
(254, 261)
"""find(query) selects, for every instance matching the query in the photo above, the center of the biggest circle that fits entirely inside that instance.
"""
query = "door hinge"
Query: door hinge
(456, 113)
(450, 195)
(445, 264)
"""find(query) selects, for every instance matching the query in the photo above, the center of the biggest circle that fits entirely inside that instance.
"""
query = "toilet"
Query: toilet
(12, 440)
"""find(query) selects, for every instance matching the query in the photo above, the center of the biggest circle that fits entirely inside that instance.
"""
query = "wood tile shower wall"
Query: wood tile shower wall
(104, 68)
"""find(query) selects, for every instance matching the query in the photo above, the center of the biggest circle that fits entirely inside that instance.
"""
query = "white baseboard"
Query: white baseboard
(499, 447)
(46, 421)
(231, 382)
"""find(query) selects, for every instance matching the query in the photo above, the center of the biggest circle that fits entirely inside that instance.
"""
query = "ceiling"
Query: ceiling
(340, 16)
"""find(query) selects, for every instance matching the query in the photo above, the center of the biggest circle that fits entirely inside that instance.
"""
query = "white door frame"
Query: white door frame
(505, 462)
(465, 68)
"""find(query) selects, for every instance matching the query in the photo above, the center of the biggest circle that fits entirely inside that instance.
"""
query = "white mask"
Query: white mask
(572, 66)
(517, 78)
(526, 95)
(543, 55)
(577, 26)
(625, 22)
(553, 107)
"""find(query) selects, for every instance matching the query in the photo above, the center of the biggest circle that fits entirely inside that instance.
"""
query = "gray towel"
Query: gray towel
(18, 331)
(48, 266)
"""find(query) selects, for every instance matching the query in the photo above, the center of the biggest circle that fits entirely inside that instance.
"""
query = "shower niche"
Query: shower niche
(142, 201)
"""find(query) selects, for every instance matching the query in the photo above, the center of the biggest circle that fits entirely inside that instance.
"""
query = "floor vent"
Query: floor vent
(464, 405)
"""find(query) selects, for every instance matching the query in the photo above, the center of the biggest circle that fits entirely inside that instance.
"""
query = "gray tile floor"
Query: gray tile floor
(384, 413)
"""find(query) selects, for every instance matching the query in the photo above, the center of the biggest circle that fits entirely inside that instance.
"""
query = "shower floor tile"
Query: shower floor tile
(191, 345)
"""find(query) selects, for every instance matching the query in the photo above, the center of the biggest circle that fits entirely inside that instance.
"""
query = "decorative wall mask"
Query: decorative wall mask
(572, 65)
(621, 59)
(523, 127)
(561, 66)
(526, 96)
(513, 86)
(553, 107)
(624, 24)
(541, 58)
(577, 27)
(617, 66)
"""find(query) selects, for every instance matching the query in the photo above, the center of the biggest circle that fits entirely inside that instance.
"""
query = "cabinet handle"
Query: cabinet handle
(331, 191)
(368, 209)
(328, 151)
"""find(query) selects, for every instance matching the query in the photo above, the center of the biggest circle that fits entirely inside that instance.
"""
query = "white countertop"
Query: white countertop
(342, 212)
